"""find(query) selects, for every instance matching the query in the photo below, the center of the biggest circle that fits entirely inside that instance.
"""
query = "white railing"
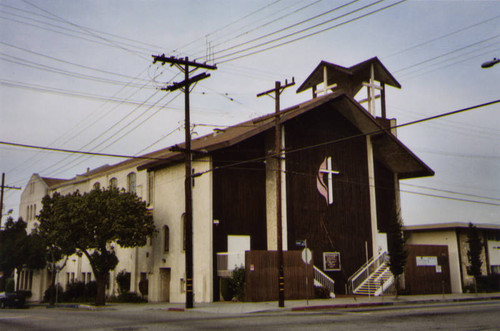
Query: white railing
(365, 271)
(324, 280)
(227, 262)
(385, 284)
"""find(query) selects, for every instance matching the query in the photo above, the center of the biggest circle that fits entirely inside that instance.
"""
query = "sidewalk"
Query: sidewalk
(340, 302)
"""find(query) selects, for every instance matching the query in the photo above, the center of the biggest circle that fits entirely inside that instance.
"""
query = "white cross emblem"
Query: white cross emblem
(326, 189)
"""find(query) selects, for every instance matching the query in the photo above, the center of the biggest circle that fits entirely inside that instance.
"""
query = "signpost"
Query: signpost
(306, 257)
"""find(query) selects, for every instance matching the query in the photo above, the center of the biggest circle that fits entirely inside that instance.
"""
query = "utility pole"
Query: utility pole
(184, 65)
(278, 89)
(1, 195)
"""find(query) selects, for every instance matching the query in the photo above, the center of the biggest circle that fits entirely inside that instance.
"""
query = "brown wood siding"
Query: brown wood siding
(426, 279)
(343, 226)
(385, 195)
(261, 276)
(239, 197)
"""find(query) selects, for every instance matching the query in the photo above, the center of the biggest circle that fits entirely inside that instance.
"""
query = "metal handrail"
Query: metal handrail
(323, 279)
(365, 271)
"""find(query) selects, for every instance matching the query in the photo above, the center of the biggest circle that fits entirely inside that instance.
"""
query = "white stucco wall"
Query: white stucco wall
(449, 238)
(168, 210)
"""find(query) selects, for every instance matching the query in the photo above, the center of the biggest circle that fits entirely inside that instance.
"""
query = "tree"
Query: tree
(474, 253)
(19, 250)
(92, 223)
(396, 246)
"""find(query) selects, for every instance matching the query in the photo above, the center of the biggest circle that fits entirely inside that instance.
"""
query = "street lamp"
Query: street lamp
(491, 63)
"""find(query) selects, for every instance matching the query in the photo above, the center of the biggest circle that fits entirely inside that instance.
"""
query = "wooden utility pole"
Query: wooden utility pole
(278, 89)
(1, 195)
(184, 65)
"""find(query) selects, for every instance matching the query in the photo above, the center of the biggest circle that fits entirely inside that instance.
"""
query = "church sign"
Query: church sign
(331, 261)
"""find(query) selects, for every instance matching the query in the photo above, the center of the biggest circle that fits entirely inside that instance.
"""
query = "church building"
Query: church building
(341, 163)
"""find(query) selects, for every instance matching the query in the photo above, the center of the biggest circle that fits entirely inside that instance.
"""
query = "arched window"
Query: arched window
(113, 182)
(131, 182)
(166, 238)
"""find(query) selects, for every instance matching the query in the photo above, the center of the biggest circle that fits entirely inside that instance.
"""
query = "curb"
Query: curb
(390, 303)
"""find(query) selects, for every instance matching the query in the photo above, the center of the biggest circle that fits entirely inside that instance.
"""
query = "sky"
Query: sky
(79, 75)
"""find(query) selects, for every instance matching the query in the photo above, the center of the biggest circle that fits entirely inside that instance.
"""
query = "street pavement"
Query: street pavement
(294, 305)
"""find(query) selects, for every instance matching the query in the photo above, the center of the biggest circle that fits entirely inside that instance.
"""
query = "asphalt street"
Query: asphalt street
(478, 315)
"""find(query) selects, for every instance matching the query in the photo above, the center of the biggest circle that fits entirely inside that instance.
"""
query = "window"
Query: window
(166, 238)
(131, 182)
(113, 182)
(151, 181)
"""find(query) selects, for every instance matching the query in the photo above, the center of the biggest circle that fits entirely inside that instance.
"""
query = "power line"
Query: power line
(46, 89)
(442, 36)
(447, 53)
(451, 192)
(115, 45)
(91, 29)
(229, 24)
(308, 35)
(64, 61)
(31, 64)
(61, 150)
(286, 15)
(294, 25)
(85, 29)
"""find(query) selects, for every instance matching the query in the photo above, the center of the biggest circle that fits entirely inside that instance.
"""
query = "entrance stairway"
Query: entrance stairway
(373, 278)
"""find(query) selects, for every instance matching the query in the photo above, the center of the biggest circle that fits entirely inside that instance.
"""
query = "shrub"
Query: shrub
(52, 290)
(75, 291)
(321, 292)
(123, 281)
(10, 285)
(490, 283)
(225, 289)
(144, 287)
(237, 283)
(25, 293)
(131, 297)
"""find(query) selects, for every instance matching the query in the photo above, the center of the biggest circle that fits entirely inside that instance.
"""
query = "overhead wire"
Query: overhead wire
(87, 31)
(115, 45)
(303, 37)
(51, 18)
(253, 29)
(292, 26)
(31, 64)
(227, 25)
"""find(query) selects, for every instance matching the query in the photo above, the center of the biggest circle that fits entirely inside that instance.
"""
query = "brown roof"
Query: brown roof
(349, 79)
(52, 181)
(388, 149)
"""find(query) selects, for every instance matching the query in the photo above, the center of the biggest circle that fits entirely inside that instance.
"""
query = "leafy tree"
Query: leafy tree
(91, 223)
(19, 250)
(396, 246)
(474, 253)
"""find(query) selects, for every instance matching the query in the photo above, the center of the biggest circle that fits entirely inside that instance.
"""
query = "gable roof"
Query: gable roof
(388, 149)
(350, 79)
(52, 181)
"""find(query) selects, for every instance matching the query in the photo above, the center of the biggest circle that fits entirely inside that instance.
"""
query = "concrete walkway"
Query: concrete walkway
(340, 302)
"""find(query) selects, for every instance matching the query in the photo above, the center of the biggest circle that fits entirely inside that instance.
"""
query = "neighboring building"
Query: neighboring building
(454, 236)
(340, 180)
